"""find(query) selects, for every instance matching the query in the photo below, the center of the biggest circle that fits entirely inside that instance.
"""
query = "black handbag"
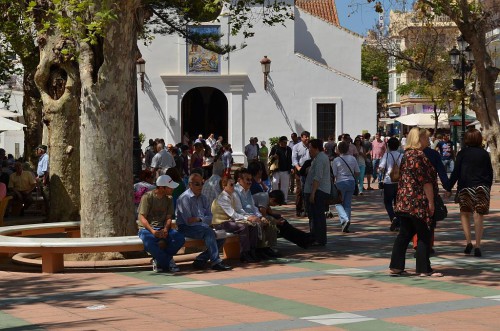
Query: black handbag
(335, 196)
(440, 210)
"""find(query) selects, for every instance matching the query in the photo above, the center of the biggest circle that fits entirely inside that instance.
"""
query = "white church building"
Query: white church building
(314, 82)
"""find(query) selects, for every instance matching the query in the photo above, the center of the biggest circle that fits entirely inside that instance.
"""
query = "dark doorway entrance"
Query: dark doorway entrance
(204, 111)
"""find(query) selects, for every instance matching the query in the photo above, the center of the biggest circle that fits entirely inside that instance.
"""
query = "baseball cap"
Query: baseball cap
(165, 180)
(44, 147)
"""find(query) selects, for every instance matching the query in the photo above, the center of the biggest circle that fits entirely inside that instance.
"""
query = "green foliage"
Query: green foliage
(173, 16)
(273, 141)
(142, 138)
(374, 63)
(77, 21)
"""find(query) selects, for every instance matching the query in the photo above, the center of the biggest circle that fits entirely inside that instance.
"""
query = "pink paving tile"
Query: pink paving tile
(485, 318)
(341, 293)
(245, 270)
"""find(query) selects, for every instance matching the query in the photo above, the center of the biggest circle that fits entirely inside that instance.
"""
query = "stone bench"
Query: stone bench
(13, 240)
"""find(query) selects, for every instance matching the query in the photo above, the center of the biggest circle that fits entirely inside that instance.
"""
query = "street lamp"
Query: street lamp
(136, 145)
(266, 68)
(462, 60)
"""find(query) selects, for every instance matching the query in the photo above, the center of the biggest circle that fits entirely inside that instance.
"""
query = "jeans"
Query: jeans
(347, 189)
(390, 191)
(316, 214)
(376, 174)
(281, 181)
(448, 165)
(410, 226)
(199, 231)
(361, 177)
(174, 240)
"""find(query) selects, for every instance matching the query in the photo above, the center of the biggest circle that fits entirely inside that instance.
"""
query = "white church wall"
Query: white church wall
(328, 44)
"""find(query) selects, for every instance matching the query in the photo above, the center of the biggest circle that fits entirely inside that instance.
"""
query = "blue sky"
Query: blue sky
(357, 18)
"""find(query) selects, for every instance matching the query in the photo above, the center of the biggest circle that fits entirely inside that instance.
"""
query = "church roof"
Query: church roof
(324, 9)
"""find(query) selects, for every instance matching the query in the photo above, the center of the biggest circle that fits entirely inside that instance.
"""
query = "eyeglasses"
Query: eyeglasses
(196, 183)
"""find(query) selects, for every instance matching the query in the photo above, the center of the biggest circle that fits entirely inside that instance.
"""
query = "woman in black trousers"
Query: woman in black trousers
(417, 188)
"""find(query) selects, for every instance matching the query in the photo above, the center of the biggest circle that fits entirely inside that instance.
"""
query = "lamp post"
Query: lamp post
(266, 68)
(136, 147)
(462, 60)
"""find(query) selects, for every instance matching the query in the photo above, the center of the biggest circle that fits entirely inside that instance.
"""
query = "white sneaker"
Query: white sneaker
(173, 267)
(155, 266)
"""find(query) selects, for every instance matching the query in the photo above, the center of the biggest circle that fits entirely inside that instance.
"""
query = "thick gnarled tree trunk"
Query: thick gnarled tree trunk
(32, 111)
(59, 85)
(108, 94)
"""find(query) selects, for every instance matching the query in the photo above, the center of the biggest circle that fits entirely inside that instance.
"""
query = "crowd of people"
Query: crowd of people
(196, 186)
(18, 180)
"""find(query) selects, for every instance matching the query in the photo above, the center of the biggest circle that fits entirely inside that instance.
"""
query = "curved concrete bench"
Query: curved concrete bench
(52, 250)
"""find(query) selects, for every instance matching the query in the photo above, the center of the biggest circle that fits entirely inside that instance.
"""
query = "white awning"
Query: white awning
(423, 120)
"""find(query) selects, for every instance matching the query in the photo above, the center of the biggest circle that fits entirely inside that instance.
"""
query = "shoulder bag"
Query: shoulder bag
(440, 210)
(356, 187)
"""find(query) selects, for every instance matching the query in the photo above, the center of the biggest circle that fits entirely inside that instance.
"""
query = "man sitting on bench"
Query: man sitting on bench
(194, 220)
(155, 225)
(21, 184)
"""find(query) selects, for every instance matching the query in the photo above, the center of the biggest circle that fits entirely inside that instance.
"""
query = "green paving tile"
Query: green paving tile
(375, 325)
(7, 322)
(156, 278)
(315, 266)
(432, 284)
(262, 301)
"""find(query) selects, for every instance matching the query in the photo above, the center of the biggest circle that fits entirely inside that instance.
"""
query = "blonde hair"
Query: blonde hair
(413, 139)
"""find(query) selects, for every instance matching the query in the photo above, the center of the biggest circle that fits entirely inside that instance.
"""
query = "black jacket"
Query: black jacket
(472, 168)
(285, 157)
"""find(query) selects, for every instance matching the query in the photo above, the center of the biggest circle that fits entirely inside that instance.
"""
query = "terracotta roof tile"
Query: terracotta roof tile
(324, 9)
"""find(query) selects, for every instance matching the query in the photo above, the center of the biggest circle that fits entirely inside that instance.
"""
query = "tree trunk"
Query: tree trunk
(32, 111)
(108, 77)
(58, 81)
(474, 31)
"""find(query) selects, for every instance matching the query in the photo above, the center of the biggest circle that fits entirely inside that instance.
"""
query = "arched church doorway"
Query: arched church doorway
(204, 111)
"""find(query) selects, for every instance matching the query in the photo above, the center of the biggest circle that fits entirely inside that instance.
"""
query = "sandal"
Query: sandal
(432, 274)
(402, 273)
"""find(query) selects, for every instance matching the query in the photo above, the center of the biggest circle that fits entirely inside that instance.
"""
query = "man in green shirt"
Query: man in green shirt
(155, 225)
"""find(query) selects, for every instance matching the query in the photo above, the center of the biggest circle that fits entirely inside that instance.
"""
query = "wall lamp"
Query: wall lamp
(266, 68)
(141, 70)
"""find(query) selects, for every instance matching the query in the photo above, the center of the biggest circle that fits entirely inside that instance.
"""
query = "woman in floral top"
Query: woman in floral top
(415, 205)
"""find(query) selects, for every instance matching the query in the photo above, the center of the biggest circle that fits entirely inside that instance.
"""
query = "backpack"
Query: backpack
(395, 173)
(138, 195)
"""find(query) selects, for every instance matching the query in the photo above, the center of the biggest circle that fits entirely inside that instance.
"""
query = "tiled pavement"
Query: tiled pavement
(344, 286)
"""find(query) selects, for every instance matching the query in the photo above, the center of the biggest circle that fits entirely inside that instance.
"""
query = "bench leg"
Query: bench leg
(232, 250)
(52, 262)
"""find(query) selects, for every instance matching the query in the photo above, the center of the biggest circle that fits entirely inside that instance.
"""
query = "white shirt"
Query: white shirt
(389, 161)
(43, 165)
(343, 171)
(224, 201)
(163, 160)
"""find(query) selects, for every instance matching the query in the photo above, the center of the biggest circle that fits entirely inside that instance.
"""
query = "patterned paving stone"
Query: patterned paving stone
(339, 318)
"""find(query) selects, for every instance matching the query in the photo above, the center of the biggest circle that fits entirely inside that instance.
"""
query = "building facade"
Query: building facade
(314, 83)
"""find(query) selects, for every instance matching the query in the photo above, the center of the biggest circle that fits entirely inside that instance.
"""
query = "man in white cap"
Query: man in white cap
(155, 225)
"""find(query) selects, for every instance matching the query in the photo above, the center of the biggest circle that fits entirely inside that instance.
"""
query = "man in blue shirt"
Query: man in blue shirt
(194, 218)
(300, 154)
(42, 174)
